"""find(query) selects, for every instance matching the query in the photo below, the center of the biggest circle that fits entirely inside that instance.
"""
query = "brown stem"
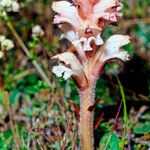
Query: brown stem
(86, 117)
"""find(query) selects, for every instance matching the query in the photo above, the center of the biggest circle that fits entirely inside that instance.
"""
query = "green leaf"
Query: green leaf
(109, 142)
(6, 140)
(14, 97)
(142, 128)
(56, 146)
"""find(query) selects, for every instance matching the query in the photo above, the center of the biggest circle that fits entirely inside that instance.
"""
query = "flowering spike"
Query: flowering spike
(82, 24)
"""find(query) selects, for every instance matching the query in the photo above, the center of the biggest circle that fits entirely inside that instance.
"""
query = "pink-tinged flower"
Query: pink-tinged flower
(66, 13)
(70, 65)
(107, 9)
(112, 48)
(69, 13)
(87, 18)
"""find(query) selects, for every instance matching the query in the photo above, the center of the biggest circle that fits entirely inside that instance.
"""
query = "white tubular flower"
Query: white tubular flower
(71, 36)
(70, 59)
(71, 65)
(112, 48)
(62, 71)
(107, 9)
(85, 43)
(82, 43)
(6, 44)
(1, 54)
(67, 13)
(37, 31)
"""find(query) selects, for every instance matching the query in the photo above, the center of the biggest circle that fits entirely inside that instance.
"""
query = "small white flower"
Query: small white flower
(2, 13)
(37, 31)
(2, 38)
(15, 6)
(8, 6)
(1, 54)
(112, 48)
(7, 44)
(5, 3)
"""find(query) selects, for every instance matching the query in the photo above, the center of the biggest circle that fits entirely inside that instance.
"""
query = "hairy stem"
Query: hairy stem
(27, 52)
(86, 118)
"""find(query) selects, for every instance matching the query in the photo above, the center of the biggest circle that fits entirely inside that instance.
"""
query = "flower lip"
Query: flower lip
(112, 48)
(88, 31)
(62, 71)
(107, 9)
(69, 59)
(67, 13)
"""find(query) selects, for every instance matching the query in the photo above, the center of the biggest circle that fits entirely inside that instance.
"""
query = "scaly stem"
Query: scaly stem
(124, 112)
(86, 118)
(27, 52)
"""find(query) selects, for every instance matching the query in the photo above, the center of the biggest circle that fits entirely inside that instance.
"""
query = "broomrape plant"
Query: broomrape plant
(82, 23)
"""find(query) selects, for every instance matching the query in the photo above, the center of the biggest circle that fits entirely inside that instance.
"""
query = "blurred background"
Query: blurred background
(39, 116)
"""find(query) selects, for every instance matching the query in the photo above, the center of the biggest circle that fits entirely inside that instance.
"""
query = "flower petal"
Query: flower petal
(70, 35)
(112, 48)
(85, 43)
(70, 59)
(99, 40)
(104, 9)
(79, 43)
(67, 13)
(62, 71)
(122, 55)
(115, 42)
(85, 2)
